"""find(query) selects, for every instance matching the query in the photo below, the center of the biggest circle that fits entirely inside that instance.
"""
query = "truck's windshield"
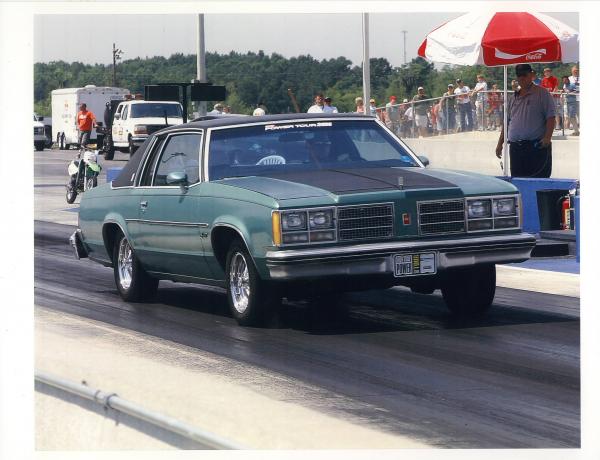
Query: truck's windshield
(155, 110)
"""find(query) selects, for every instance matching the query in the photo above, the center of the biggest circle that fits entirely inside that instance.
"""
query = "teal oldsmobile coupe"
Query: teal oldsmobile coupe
(303, 205)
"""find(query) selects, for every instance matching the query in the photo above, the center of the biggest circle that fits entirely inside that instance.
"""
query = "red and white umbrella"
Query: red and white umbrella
(500, 39)
(496, 39)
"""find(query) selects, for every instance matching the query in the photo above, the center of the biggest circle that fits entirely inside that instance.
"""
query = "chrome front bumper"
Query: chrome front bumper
(376, 258)
(76, 242)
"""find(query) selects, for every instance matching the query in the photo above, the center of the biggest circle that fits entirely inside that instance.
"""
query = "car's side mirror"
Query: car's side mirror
(178, 178)
(117, 116)
(424, 160)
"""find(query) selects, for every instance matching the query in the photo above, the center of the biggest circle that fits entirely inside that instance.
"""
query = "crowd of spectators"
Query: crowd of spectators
(460, 108)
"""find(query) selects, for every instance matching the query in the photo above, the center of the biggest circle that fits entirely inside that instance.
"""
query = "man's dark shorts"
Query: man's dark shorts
(527, 160)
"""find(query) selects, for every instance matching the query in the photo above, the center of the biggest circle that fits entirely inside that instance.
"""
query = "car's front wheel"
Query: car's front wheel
(250, 299)
(469, 291)
(132, 148)
(133, 283)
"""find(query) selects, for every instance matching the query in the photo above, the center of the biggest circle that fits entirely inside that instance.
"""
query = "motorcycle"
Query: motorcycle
(83, 172)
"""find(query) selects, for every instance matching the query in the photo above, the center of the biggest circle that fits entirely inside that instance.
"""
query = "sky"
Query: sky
(322, 35)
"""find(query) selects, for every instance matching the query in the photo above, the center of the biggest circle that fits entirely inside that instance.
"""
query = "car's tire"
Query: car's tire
(39, 146)
(132, 281)
(250, 299)
(71, 194)
(469, 291)
(109, 153)
(132, 148)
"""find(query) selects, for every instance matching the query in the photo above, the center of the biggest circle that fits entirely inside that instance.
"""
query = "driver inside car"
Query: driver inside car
(319, 150)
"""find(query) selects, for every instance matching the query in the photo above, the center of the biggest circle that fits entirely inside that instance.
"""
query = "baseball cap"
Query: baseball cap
(420, 88)
(523, 69)
(450, 85)
(328, 99)
(458, 80)
(405, 100)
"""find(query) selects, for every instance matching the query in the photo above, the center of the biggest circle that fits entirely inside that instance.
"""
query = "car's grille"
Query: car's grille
(365, 222)
(437, 217)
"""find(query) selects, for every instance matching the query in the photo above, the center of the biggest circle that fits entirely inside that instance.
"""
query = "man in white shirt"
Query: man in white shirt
(464, 106)
(317, 107)
(328, 108)
(481, 101)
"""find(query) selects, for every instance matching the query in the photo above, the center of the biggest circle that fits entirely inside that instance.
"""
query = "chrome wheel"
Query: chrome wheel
(125, 264)
(239, 282)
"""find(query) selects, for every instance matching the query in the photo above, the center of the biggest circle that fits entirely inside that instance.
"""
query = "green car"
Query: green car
(298, 206)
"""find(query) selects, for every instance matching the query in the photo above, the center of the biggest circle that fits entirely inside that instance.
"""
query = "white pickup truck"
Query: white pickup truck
(135, 119)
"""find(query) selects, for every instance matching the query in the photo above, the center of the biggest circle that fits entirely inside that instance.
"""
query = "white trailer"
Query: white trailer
(65, 105)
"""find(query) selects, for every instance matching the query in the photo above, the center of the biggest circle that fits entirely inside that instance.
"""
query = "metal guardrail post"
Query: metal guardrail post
(113, 401)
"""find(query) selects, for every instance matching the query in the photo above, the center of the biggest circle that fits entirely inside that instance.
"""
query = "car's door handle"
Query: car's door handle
(143, 205)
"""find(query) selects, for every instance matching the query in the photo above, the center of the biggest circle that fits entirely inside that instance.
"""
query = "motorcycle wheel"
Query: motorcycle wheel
(91, 182)
(71, 194)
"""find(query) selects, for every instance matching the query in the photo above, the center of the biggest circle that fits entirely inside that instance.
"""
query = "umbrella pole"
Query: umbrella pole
(506, 164)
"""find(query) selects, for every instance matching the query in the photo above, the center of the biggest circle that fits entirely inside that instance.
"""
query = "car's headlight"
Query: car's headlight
(140, 129)
(302, 226)
(505, 207)
(293, 220)
(479, 209)
(321, 219)
(494, 213)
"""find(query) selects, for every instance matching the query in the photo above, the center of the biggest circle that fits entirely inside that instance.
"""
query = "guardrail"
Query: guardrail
(113, 401)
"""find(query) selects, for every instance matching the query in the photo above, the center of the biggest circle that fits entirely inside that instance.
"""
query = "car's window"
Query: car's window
(155, 110)
(180, 153)
(285, 146)
(125, 112)
(150, 166)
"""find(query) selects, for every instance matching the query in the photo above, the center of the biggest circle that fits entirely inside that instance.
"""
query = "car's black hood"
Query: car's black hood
(304, 184)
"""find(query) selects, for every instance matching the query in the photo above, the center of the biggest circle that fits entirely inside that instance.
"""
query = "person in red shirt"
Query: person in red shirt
(550, 82)
(85, 121)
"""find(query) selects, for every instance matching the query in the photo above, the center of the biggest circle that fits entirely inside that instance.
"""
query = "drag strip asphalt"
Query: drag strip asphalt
(509, 380)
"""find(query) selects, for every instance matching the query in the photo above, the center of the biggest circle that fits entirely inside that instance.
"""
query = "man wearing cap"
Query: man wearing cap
(530, 115)
(550, 82)
(392, 111)
(448, 106)
(372, 107)
(260, 110)
(481, 101)
(327, 107)
(420, 110)
(464, 106)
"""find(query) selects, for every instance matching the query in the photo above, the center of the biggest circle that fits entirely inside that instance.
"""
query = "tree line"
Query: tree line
(252, 77)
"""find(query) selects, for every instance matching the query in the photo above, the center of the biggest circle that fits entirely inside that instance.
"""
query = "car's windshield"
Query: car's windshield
(303, 145)
(155, 110)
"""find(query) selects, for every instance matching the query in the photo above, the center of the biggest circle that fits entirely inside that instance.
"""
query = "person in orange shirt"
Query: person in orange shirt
(85, 121)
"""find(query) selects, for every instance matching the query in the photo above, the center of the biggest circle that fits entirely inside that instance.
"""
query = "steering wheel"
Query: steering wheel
(271, 160)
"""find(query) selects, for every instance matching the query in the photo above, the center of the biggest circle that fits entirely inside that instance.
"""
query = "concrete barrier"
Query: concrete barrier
(475, 151)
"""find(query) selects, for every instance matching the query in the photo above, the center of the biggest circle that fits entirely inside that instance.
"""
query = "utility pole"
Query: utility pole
(201, 62)
(404, 41)
(116, 53)
(366, 64)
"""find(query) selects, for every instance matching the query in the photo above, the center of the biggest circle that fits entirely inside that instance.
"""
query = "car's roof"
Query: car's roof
(233, 120)
(126, 176)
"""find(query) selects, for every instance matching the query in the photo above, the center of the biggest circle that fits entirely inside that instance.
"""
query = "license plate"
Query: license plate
(422, 263)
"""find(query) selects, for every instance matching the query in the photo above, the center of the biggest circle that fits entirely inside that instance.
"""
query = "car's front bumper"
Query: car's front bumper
(376, 258)
(139, 139)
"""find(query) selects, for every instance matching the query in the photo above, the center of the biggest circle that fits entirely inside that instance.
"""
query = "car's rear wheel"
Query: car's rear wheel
(469, 291)
(250, 299)
(133, 283)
